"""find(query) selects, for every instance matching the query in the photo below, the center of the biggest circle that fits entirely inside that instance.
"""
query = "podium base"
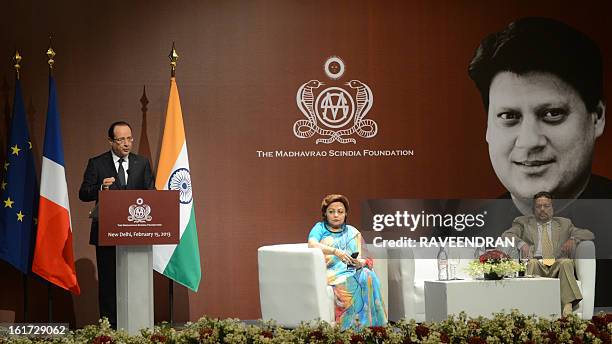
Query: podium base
(134, 288)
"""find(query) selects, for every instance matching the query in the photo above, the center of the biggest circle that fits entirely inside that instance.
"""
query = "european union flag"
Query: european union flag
(19, 192)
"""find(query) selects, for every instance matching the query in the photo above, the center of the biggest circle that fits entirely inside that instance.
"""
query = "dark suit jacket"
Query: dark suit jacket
(140, 177)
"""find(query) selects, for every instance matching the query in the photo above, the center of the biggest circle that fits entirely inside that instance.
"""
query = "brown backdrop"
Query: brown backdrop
(241, 63)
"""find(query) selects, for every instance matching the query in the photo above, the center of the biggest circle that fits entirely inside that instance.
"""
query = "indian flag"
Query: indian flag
(179, 262)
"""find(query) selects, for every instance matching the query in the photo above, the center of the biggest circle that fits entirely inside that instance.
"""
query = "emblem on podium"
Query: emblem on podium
(139, 212)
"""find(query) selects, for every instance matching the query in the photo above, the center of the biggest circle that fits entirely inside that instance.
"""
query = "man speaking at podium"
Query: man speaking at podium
(117, 169)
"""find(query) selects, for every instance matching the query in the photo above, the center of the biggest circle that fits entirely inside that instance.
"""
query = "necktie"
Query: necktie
(547, 248)
(121, 173)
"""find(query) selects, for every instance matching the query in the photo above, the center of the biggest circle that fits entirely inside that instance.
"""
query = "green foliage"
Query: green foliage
(500, 328)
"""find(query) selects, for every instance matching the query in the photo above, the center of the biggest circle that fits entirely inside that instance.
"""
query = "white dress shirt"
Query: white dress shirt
(125, 165)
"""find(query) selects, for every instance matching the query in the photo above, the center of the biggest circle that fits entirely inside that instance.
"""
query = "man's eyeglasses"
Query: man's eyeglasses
(124, 139)
(543, 206)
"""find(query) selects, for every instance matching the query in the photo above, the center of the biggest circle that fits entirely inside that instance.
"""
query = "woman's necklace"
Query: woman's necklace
(332, 229)
(343, 239)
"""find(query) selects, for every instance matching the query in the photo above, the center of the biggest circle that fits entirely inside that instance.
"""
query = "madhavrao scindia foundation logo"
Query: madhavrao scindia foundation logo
(335, 113)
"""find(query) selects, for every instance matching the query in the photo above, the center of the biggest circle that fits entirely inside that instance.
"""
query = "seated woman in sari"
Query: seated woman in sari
(356, 288)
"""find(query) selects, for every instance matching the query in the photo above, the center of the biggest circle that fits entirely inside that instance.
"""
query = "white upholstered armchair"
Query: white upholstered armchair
(293, 284)
(407, 272)
(585, 272)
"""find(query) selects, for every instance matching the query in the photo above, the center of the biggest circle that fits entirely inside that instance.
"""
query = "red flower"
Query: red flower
(267, 334)
(444, 338)
(599, 321)
(552, 336)
(593, 329)
(317, 335)
(103, 339)
(158, 338)
(422, 331)
(476, 340)
(495, 256)
(379, 331)
(605, 337)
(356, 339)
(407, 340)
(577, 340)
(602, 321)
(205, 332)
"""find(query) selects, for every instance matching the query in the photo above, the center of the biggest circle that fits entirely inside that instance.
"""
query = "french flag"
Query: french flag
(53, 255)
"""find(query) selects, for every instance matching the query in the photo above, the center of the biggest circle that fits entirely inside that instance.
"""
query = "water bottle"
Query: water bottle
(442, 265)
(523, 261)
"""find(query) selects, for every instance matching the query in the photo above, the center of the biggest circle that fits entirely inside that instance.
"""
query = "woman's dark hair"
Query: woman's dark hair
(541, 45)
(329, 199)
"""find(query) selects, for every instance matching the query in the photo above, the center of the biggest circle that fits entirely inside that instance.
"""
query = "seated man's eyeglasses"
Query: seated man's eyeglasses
(543, 206)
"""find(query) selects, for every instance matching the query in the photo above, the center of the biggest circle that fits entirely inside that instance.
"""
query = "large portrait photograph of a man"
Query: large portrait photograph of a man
(542, 86)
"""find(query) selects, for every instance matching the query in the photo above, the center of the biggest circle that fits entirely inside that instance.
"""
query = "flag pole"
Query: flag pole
(17, 65)
(26, 314)
(49, 302)
(171, 300)
(173, 56)
(50, 55)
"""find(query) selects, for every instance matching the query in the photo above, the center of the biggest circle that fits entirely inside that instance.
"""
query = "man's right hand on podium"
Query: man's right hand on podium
(107, 182)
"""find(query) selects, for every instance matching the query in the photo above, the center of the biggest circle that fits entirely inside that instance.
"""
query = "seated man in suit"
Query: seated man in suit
(553, 239)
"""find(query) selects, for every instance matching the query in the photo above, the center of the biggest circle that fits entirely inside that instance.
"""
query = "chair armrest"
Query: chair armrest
(585, 264)
(400, 276)
(293, 284)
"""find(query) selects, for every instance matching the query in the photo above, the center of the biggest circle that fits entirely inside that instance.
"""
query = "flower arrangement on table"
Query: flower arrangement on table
(494, 264)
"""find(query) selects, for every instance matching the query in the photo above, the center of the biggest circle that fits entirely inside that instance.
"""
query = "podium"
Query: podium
(133, 220)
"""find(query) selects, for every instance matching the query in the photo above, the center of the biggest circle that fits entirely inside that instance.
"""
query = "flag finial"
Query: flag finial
(173, 58)
(144, 100)
(50, 54)
(17, 60)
